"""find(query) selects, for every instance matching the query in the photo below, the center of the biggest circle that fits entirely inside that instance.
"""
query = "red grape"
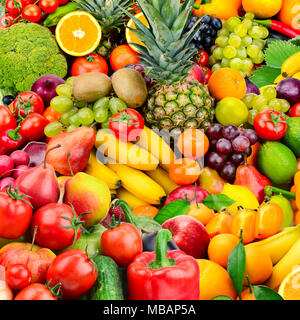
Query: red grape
(230, 132)
(240, 144)
(236, 158)
(224, 146)
(227, 172)
(214, 160)
(250, 134)
(215, 131)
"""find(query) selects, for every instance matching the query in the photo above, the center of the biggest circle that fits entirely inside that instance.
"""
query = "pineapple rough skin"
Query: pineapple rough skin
(27, 52)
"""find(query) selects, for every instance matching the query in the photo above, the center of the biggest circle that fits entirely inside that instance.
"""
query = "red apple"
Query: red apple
(187, 193)
(36, 258)
(189, 235)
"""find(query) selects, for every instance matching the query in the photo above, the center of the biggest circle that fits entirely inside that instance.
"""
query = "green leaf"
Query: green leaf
(265, 293)
(172, 209)
(295, 41)
(278, 51)
(265, 75)
(236, 267)
(221, 297)
(217, 201)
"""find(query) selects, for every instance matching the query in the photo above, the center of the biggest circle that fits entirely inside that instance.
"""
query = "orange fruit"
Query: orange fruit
(201, 213)
(290, 13)
(220, 223)
(227, 82)
(214, 280)
(259, 265)
(78, 33)
(247, 295)
(130, 36)
(244, 220)
(220, 248)
(184, 171)
(193, 143)
(297, 217)
(262, 8)
(290, 286)
(145, 211)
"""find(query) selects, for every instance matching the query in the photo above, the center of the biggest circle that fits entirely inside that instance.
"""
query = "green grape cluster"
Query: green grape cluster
(76, 113)
(239, 45)
(267, 100)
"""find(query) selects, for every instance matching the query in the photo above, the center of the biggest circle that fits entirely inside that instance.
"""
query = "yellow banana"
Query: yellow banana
(152, 142)
(130, 198)
(138, 183)
(125, 152)
(296, 75)
(279, 244)
(291, 65)
(279, 78)
(162, 178)
(98, 170)
(285, 266)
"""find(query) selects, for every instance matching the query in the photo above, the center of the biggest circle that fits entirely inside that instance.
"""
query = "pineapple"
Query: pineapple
(111, 17)
(174, 102)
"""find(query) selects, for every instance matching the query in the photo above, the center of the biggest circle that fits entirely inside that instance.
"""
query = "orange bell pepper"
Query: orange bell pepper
(290, 13)
(222, 9)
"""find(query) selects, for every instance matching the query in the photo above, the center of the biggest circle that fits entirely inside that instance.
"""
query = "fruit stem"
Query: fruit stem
(45, 162)
(33, 237)
(69, 164)
(269, 190)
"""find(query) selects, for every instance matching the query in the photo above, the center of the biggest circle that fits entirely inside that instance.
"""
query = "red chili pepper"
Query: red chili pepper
(10, 140)
(162, 275)
(280, 27)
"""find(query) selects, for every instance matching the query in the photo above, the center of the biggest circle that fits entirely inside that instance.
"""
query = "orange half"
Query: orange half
(130, 36)
(78, 33)
(290, 286)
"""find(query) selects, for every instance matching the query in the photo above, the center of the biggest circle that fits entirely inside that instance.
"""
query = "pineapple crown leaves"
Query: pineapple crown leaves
(167, 52)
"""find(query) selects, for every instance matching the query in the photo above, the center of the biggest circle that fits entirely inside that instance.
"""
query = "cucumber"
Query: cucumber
(108, 285)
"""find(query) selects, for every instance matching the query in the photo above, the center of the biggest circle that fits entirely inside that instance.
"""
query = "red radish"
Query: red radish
(18, 170)
(6, 166)
(20, 157)
(6, 182)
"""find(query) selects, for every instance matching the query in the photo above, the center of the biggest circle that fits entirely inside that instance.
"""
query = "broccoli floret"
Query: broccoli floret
(27, 52)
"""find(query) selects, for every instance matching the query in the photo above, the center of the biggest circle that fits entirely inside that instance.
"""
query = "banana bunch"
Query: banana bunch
(290, 68)
(138, 173)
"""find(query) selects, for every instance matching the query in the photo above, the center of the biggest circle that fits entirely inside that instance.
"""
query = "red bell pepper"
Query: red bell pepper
(7, 120)
(10, 140)
(162, 275)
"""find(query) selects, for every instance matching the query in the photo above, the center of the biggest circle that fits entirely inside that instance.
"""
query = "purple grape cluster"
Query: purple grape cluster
(141, 69)
(228, 148)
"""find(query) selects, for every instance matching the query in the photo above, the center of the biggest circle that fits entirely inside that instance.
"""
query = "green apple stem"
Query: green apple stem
(45, 162)
(33, 237)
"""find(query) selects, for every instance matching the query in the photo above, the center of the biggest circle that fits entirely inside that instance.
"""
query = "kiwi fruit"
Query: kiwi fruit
(91, 86)
(130, 86)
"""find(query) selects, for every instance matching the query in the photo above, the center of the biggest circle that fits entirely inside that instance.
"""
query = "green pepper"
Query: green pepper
(53, 18)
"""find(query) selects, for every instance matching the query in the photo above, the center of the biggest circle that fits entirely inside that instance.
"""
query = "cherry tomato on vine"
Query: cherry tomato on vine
(26, 2)
(18, 276)
(13, 6)
(32, 13)
(37, 291)
(75, 271)
(27, 102)
(122, 243)
(48, 6)
(202, 58)
(207, 74)
(123, 55)
(90, 63)
(63, 2)
(127, 124)
(7, 20)
(270, 125)
(184, 171)
(32, 128)
(295, 110)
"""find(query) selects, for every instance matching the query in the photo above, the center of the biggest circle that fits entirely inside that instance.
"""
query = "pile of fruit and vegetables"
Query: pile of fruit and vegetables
(150, 150)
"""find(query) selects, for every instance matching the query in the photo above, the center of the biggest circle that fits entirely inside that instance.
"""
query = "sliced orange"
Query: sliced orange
(130, 36)
(290, 286)
(78, 33)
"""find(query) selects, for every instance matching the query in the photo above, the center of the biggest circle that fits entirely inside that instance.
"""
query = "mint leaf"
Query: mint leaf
(278, 51)
(264, 76)
(236, 267)
(172, 209)
(265, 293)
(217, 201)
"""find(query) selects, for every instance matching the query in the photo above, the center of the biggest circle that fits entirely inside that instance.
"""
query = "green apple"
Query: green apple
(231, 111)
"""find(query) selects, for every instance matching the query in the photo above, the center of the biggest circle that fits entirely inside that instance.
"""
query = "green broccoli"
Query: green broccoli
(27, 52)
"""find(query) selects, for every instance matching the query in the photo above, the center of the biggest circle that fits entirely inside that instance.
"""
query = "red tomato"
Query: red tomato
(15, 214)
(127, 124)
(63, 2)
(52, 220)
(27, 102)
(122, 243)
(32, 128)
(13, 6)
(18, 276)
(32, 13)
(91, 63)
(295, 110)
(26, 2)
(7, 20)
(123, 55)
(202, 58)
(7, 120)
(48, 6)
(207, 74)
(36, 291)
(74, 271)
(270, 125)
(51, 115)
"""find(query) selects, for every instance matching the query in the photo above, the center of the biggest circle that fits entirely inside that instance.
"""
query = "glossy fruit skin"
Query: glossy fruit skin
(32, 13)
(90, 63)
(51, 115)
(75, 271)
(122, 243)
(48, 6)
(13, 7)
(211, 181)
(123, 55)
(244, 220)
(202, 58)
(52, 232)
(15, 216)
(184, 171)
(18, 276)
(32, 128)
(266, 129)
(35, 291)
(220, 223)
(289, 13)
(7, 20)
(35, 101)
(7, 120)
(127, 130)
(295, 110)
(187, 193)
